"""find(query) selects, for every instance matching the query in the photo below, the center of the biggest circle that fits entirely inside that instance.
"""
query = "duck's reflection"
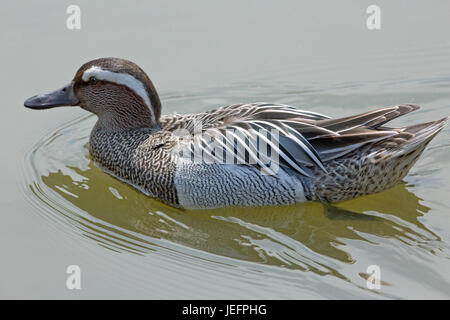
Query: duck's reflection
(305, 236)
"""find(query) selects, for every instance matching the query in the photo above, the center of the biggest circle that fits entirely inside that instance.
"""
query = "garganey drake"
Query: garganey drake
(252, 154)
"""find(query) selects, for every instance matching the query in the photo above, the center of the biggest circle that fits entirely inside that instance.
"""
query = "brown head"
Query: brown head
(116, 90)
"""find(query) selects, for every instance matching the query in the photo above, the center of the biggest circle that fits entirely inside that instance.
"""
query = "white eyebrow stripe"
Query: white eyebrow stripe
(119, 78)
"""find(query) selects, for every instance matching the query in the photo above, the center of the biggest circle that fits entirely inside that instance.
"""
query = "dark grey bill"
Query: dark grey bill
(57, 98)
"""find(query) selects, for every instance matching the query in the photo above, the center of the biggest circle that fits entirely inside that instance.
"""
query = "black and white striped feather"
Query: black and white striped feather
(304, 139)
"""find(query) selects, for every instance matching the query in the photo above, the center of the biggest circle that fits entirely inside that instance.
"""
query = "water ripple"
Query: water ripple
(306, 250)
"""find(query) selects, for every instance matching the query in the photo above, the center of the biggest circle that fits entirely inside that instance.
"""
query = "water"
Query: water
(59, 209)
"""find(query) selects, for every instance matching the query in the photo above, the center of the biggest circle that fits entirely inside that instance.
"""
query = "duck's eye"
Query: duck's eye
(92, 80)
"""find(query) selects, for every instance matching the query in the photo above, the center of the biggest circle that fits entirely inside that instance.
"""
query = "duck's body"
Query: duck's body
(151, 165)
(220, 158)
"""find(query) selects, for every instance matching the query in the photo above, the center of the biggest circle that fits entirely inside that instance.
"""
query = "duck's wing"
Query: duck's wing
(249, 134)
(261, 133)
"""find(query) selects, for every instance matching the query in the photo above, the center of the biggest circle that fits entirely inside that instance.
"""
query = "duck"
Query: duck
(240, 155)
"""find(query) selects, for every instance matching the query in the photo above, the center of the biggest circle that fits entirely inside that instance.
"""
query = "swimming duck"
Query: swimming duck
(253, 154)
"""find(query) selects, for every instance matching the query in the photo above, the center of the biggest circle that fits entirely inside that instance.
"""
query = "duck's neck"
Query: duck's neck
(117, 122)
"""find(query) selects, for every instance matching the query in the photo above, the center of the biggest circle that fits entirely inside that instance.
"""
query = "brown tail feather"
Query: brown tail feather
(423, 133)
(372, 119)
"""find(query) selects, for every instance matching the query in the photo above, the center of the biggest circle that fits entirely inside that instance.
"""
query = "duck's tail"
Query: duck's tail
(411, 139)
(422, 134)
(376, 167)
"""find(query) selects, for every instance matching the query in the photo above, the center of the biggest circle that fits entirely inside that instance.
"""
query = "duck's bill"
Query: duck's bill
(58, 98)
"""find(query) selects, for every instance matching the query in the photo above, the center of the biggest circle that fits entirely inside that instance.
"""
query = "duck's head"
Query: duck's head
(116, 90)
